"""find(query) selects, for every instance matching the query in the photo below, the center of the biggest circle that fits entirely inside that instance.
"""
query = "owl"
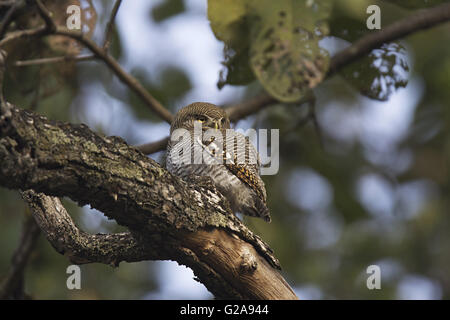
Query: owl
(203, 144)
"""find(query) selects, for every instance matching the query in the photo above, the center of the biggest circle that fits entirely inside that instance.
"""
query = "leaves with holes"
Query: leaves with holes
(379, 74)
(276, 41)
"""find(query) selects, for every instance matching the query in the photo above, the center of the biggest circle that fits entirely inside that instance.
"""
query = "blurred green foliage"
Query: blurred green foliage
(416, 4)
(330, 246)
(278, 40)
(167, 9)
(172, 84)
(381, 73)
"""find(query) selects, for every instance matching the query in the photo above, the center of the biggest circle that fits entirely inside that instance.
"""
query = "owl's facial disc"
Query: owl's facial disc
(206, 114)
(211, 123)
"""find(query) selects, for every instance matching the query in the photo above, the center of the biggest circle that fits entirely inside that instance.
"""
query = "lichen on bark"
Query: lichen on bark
(159, 209)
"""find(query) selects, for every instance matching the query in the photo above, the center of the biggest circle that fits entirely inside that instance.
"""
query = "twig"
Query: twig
(310, 115)
(37, 92)
(12, 285)
(15, 35)
(420, 20)
(124, 76)
(423, 19)
(153, 147)
(97, 51)
(127, 78)
(242, 110)
(7, 3)
(235, 112)
(110, 25)
(53, 60)
(8, 17)
(3, 56)
(47, 16)
(313, 118)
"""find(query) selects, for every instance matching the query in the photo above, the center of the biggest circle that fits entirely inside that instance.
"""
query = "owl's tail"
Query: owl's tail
(259, 210)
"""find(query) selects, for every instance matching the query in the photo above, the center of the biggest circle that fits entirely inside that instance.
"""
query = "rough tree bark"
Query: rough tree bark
(168, 218)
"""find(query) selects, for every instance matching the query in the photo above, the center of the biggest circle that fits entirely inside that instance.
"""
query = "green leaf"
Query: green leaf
(172, 84)
(416, 4)
(280, 40)
(285, 53)
(237, 69)
(116, 44)
(167, 9)
(229, 23)
(347, 27)
(348, 17)
(379, 74)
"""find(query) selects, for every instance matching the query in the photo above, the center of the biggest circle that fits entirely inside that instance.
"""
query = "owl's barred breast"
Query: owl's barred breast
(224, 155)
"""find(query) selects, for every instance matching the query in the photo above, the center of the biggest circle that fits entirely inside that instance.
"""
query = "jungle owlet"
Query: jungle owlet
(200, 135)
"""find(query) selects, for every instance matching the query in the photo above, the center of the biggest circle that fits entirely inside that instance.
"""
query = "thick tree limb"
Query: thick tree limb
(189, 223)
(81, 247)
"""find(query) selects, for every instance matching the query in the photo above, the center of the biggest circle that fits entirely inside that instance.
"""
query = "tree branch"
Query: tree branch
(20, 34)
(3, 56)
(186, 222)
(154, 146)
(47, 16)
(12, 285)
(79, 246)
(33, 62)
(242, 110)
(8, 17)
(51, 28)
(124, 76)
(421, 20)
(110, 25)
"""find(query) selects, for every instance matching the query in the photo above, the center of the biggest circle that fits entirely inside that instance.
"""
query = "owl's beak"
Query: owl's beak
(213, 124)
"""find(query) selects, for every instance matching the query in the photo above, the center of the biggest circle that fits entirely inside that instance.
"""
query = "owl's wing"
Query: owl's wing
(242, 159)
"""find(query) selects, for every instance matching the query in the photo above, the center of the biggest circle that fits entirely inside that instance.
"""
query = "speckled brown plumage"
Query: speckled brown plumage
(239, 182)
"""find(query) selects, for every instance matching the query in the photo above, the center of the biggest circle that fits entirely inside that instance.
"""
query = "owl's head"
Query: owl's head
(209, 115)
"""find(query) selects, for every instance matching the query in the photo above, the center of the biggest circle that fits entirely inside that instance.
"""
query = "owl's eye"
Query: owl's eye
(200, 118)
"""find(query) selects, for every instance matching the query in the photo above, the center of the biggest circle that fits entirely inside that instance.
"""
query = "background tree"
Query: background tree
(364, 173)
